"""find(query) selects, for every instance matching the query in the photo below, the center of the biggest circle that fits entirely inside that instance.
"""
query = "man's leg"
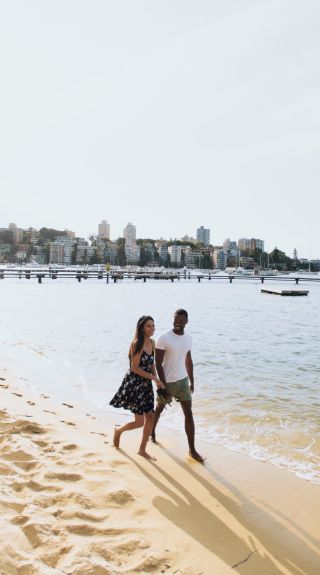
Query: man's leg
(159, 409)
(190, 430)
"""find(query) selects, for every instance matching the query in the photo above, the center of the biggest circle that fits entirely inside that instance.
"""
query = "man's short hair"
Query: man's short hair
(181, 312)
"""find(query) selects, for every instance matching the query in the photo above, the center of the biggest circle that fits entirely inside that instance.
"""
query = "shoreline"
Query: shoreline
(72, 503)
(69, 396)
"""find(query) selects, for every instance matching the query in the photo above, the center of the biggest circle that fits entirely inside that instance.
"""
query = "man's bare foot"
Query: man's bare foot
(153, 438)
(195, 455)
(146, 455)
(116, 437)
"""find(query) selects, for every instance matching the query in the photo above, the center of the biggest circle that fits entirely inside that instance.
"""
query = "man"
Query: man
(175, 370)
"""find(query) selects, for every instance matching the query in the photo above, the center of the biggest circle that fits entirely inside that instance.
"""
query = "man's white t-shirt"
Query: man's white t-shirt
(176, 348)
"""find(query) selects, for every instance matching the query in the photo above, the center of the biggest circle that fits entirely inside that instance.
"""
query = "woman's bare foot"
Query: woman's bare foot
(195, 455)
(146, 455)
(116, 437)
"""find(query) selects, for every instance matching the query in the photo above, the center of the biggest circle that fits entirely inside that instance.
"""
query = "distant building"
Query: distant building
(32, 236)
(193, 258)
(231, 247)
(189, 239)
(163, 254)
(111, 253)
(203, 235)
(250, 245)
(61, 250)
(56, 253)
(82, 251)
(219, 258)
(104, 230)
(71, 235)
(175, 252)
(17, 233)
(132, 251)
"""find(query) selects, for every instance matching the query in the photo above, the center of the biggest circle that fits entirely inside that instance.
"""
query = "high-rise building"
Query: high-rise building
(132, 251)
(129, 234)
(203, 235)
(104, 230)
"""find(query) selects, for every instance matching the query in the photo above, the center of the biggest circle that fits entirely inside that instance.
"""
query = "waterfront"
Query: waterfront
(256, 358)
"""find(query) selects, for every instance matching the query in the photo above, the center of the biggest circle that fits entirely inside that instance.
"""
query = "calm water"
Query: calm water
(256, 356)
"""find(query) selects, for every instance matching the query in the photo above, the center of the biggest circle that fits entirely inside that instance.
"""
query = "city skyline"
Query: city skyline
(104, 227)
(163, 114)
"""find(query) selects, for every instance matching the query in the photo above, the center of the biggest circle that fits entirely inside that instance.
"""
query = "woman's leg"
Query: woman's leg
(138, 422)
(147, 429)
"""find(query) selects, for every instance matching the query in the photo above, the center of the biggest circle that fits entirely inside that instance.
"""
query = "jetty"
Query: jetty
(285, 292)
(114, 276)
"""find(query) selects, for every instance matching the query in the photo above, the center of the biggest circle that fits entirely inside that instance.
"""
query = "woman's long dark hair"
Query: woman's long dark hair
(138, 340)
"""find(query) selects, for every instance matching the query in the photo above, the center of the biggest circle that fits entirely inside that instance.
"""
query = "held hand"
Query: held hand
(191, 387)
(159, 383)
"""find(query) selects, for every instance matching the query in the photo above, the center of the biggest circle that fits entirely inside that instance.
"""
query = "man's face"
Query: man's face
(179, 323)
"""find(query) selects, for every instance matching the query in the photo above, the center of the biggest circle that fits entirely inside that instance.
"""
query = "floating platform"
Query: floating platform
(285, 292)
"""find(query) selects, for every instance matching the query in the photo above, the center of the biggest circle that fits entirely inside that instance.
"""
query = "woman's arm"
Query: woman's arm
(135, 360)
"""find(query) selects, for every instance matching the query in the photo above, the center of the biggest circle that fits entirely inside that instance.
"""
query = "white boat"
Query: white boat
(239, 271)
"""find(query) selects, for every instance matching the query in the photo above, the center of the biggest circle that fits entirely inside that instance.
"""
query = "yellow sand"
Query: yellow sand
(73, 504)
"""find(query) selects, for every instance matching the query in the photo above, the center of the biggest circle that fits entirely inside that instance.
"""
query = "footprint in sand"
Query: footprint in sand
(19, 520)
(18, 455)
(44, 396)
(67, 422)
(31, 402)
(121, 497)
(67, 404)
(70, 447)
(99, 433)
(21, 426)
(41, 443)
(38, 534)
(52, 558)
(6, 469)
(17, 394)
(48, 411)
(35, 486)
(4, 386)
(80, 515)
(3, 378)
(64, 476)
(89, 530)
(26, 465)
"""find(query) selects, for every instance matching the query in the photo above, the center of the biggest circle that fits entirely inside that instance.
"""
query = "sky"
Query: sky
(169, 114)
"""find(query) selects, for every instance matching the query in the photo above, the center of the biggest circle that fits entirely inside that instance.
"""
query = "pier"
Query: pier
(285, 292)
(78, 274)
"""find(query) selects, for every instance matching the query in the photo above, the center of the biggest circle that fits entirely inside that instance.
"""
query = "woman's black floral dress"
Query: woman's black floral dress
(136, 392)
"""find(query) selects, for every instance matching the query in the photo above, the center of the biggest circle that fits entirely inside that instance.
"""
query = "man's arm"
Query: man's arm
(159, 361)
(189, 368)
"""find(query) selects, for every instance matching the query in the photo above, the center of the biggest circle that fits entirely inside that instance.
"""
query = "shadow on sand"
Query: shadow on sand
(269, 548)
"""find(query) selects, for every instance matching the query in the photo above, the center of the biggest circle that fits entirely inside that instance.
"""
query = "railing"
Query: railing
(114, 276)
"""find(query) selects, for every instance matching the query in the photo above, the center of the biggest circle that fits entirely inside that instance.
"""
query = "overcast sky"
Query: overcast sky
(170, 114)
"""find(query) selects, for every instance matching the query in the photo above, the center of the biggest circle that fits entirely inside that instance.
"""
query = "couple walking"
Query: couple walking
(169, 365)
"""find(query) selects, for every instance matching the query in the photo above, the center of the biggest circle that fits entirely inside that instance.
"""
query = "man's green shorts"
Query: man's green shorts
(178, 389)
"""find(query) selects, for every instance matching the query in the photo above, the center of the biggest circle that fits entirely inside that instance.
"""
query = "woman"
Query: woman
(136, 392)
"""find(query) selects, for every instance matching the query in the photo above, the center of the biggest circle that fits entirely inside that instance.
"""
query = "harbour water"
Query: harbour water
(256, 356)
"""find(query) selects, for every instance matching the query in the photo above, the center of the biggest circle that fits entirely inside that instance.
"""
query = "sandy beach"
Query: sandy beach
(73, 504)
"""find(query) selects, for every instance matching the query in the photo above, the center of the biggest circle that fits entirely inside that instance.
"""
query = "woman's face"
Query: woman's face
(148, 328)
